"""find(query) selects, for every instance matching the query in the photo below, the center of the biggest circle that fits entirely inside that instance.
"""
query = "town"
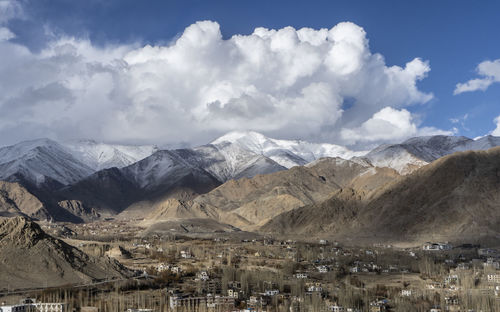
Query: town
(181, 273)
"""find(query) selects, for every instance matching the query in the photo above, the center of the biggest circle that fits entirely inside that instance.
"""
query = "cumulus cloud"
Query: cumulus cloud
(496, 132)
(388, 124)
(286, 83)
(489, 72)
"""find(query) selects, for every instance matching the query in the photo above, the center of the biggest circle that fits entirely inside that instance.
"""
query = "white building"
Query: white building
(30, 305)
(494, 278)
(203, 276)
(406, 292)
(271, 292)
(301, 275)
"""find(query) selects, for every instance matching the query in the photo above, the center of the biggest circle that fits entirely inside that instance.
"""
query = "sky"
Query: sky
(354, 73)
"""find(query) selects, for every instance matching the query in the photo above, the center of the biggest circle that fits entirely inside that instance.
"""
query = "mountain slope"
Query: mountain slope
(419, 151)
(161, 175)
(227, 161)
(46, 261)
(248, 203)
(40, 162)
(455, 196)
(16, 200)
(100, 156)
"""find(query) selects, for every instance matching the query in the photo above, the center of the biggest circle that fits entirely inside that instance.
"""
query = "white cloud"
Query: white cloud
(10, 9)
(496, 132)
(388, 124)
(6, 34)
(490, 72)
(286, 82)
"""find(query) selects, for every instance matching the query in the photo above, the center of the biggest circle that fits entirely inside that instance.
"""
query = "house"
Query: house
(436, 246)
(314, 288)
(323, 269)
(271, 292)
(233, 293)
(162, 267)
(493, 278)
(203, 276)
(354, 269)
(378, 306)
(406, 292)
(452, 278)
(492, 264)
(336, 308)
(323, 242)
(186, 254)
(453, 300)
(301, 275)
(484, 252)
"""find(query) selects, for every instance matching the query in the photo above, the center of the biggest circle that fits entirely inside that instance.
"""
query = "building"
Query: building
(179, 302)
(493, 278)
(301, 275)
(436, 246)
(491, 263)
(406, 292)
(233, 293)
(30, 305)
(203, 276)
(271, 292)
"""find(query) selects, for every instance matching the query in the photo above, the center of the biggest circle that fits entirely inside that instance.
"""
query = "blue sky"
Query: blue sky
(453, 36)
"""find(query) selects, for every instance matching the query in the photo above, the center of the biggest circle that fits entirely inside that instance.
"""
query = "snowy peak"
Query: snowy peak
(37, 160)
(287, 153)
(165, 168)
(419, 151)
(227, 161)
(100, 156)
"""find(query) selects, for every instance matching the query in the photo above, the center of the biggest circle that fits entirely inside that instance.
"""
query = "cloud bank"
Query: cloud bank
(489, 72)
(323, 85)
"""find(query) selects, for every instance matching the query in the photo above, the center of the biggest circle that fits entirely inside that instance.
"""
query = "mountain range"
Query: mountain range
(242, 179)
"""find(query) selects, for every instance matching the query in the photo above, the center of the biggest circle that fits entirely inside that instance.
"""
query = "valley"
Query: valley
(248, 222)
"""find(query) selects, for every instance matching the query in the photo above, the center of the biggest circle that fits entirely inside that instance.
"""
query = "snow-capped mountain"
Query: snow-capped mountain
(419, 151)
(165, 168)
(288, 153)
(228, 161)
(100, 156)
(40, 160)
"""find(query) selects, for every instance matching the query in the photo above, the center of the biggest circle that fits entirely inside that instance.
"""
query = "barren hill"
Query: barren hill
(248, 203)
(15, 200)
(455, 196)
(46, 261)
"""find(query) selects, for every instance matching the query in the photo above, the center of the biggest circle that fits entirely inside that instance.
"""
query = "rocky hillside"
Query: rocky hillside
(15, 200)
(455, 196)
(248, 203)
(46, 261)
